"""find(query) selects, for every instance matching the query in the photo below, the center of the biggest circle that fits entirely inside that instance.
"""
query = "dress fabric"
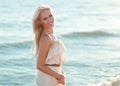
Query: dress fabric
(55, 56)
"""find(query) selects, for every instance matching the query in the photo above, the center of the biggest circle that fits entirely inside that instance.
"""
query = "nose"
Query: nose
(49, 20)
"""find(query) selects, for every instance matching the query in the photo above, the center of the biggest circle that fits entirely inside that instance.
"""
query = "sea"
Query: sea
(90, 30)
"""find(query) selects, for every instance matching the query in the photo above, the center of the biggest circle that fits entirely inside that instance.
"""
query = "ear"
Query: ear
(40, 23)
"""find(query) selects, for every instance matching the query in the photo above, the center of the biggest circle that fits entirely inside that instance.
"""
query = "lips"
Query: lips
(51, 23)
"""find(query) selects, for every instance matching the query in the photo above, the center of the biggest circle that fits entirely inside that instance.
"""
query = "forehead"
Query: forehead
(45, 13)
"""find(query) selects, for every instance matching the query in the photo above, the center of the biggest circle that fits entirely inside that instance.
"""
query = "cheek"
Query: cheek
(53, 20)
(44, 22)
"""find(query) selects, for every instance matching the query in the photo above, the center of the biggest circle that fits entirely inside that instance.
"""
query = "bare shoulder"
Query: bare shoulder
(45, 39)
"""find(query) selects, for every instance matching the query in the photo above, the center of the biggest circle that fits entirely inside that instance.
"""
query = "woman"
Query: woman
(49, 50)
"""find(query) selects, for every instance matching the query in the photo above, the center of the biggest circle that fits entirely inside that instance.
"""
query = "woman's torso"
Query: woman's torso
(56, 50)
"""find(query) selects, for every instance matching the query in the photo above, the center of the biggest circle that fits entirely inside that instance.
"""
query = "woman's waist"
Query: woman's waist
(55, 65)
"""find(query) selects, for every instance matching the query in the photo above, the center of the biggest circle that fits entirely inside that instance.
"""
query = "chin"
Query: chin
(51, 26)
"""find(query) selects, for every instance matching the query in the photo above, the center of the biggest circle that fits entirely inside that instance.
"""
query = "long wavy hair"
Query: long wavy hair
(37, 27)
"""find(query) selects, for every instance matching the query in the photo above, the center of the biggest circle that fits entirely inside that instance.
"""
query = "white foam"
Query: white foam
(114, 81)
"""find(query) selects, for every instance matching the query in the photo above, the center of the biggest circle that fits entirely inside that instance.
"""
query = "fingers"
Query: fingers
(59, 76)
(61, 79)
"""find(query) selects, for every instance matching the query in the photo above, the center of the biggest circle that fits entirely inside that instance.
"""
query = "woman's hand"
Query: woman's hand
(61, 79)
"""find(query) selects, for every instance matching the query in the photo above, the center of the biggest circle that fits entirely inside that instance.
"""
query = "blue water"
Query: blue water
(89, 29)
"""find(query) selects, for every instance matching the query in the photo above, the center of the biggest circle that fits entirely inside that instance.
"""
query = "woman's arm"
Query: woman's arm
(44, 48)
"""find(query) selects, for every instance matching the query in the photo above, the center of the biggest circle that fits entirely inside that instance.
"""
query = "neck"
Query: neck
(50, 30)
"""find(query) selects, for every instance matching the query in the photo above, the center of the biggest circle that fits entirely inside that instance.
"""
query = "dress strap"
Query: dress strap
(52, 36)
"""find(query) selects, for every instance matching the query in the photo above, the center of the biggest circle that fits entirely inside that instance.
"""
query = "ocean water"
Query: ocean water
(89, 29)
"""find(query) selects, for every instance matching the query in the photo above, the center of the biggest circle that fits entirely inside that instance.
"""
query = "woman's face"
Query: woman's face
(47, 19)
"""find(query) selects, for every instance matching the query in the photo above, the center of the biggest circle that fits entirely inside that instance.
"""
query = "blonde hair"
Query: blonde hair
(37, 27)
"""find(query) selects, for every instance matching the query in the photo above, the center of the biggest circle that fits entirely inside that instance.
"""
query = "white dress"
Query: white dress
(55, 56)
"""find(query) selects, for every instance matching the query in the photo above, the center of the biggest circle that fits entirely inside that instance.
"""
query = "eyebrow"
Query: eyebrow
(50, 15)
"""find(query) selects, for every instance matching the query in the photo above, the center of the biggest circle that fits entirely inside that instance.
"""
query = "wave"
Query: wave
(91, 34)
(114, 81)
(20, 45)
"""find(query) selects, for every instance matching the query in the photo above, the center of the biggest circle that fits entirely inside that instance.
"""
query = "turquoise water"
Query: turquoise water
(90, 31)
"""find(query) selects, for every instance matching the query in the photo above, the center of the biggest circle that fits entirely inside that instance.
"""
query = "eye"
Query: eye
(50, 15)
(45, 18)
